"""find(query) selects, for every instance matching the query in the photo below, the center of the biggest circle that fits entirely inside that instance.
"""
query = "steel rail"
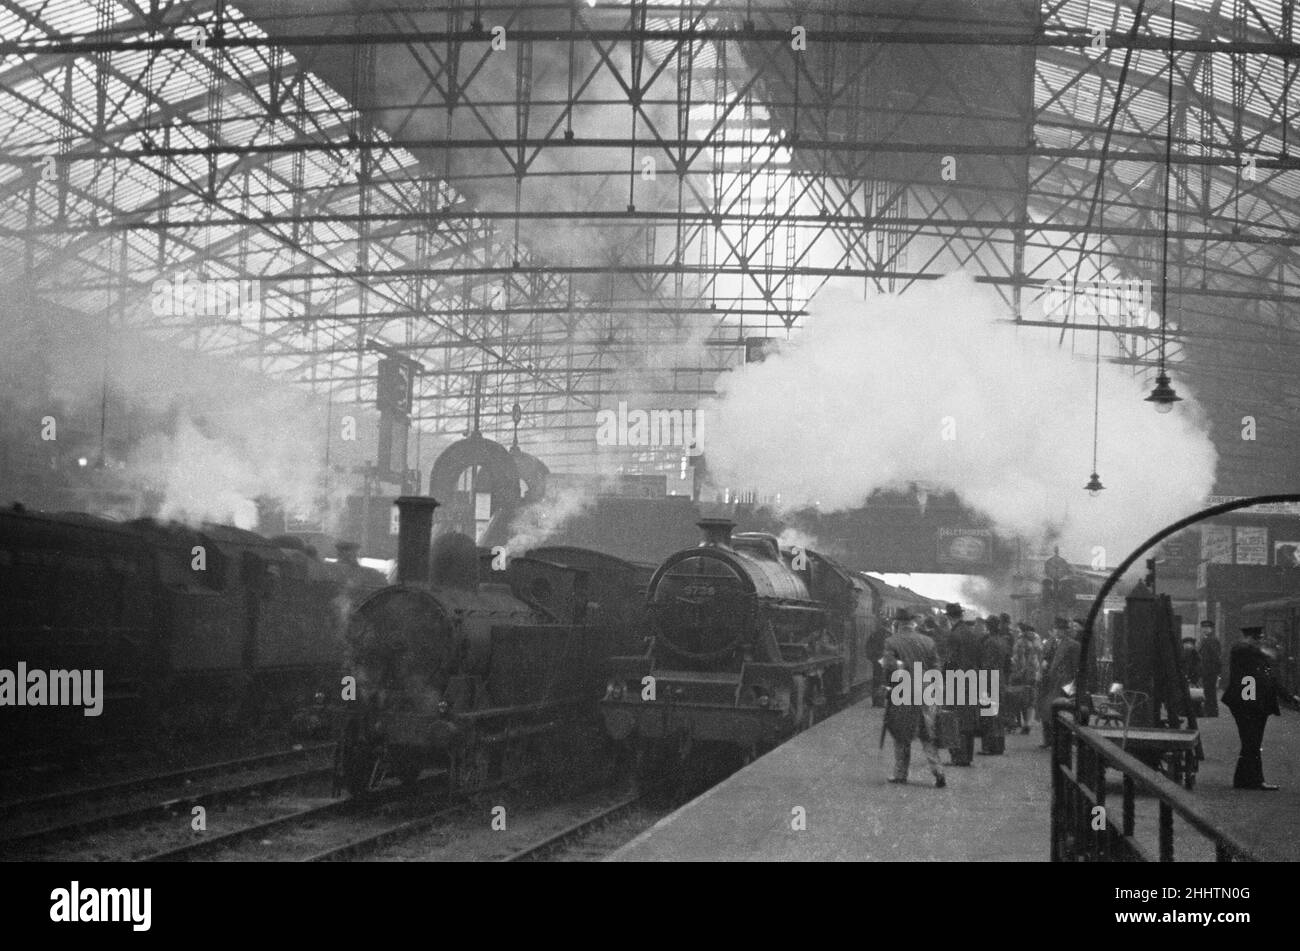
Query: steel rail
(552, 843)
(57, 800)
(158, 810)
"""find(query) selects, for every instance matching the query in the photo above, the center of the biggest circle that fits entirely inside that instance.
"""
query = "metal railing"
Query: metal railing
(1081, 758)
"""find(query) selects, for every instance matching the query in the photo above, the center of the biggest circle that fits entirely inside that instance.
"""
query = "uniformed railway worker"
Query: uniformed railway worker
(1251, 693)
(904, 649)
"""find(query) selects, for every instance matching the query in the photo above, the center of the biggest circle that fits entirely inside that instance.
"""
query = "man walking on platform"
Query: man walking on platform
(1252, 694)
(1026, 672)
(963, 655)
(1211, 667)
(908, 651)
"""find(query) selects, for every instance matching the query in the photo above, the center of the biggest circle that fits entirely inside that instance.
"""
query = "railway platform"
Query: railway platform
(824, 796)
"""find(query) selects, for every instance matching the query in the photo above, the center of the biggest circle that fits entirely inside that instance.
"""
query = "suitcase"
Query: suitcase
(993, 745)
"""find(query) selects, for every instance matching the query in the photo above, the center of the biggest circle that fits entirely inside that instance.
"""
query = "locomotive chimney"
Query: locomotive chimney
(414, 534)
(717, 531)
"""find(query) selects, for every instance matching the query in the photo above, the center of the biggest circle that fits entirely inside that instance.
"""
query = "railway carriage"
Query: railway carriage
(183, 622)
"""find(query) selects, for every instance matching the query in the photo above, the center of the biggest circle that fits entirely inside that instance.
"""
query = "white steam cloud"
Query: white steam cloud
(931, 388)
(202, 435)
(536, 523)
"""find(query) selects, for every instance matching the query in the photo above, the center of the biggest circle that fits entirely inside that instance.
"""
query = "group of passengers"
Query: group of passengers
(1023, 673)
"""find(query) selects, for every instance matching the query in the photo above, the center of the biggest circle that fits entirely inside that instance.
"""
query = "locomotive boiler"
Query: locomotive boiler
(485, 678)
(749, 644)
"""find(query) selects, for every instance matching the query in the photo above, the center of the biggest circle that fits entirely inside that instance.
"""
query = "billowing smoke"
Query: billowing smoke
(930, 388)
(534, 524)
(203, 436)
(791, 537)
(216, 471)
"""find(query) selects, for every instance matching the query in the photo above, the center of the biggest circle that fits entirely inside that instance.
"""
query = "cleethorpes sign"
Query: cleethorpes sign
(965, 547)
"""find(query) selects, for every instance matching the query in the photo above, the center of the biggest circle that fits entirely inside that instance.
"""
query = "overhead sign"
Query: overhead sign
(965, 547)
(1268, 508)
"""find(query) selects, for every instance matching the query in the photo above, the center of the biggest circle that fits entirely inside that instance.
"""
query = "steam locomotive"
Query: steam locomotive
(483, 673)
(748, 645)
(217, 617)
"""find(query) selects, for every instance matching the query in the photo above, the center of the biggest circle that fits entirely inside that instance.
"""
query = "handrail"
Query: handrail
(1078, 787)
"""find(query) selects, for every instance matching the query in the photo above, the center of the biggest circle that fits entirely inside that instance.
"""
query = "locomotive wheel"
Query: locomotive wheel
(362, 772)
(471, 770)
(359, 764)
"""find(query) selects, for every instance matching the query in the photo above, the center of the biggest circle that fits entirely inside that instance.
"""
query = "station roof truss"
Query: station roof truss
(563, 203)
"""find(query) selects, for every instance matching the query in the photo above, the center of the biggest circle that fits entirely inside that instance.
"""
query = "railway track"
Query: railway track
(378, 841)
(280, 831)
(146, 808)
(580, 837)
(79, 796)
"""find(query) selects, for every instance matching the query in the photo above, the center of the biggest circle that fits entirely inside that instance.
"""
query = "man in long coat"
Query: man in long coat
(904, 650)
(963, 655)
(1251, 693)
(1062, 670)
(995, 655)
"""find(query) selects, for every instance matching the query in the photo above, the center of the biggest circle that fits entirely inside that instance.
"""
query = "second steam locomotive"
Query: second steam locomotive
(748, 644)
(484, 680)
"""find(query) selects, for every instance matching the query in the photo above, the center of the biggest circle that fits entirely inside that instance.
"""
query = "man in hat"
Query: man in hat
(963, 655)
(904, 650)
(1252, 694)
(1211, 667)
(1059, 632)
(1061, 671)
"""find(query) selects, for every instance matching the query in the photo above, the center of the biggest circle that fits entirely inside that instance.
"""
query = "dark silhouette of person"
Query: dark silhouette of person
(1061, 672)
(1211, 652)
(908, 650)
(963, 655)
(1251, 693)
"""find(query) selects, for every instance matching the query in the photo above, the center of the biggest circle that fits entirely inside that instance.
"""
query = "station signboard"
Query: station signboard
(965, 547)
